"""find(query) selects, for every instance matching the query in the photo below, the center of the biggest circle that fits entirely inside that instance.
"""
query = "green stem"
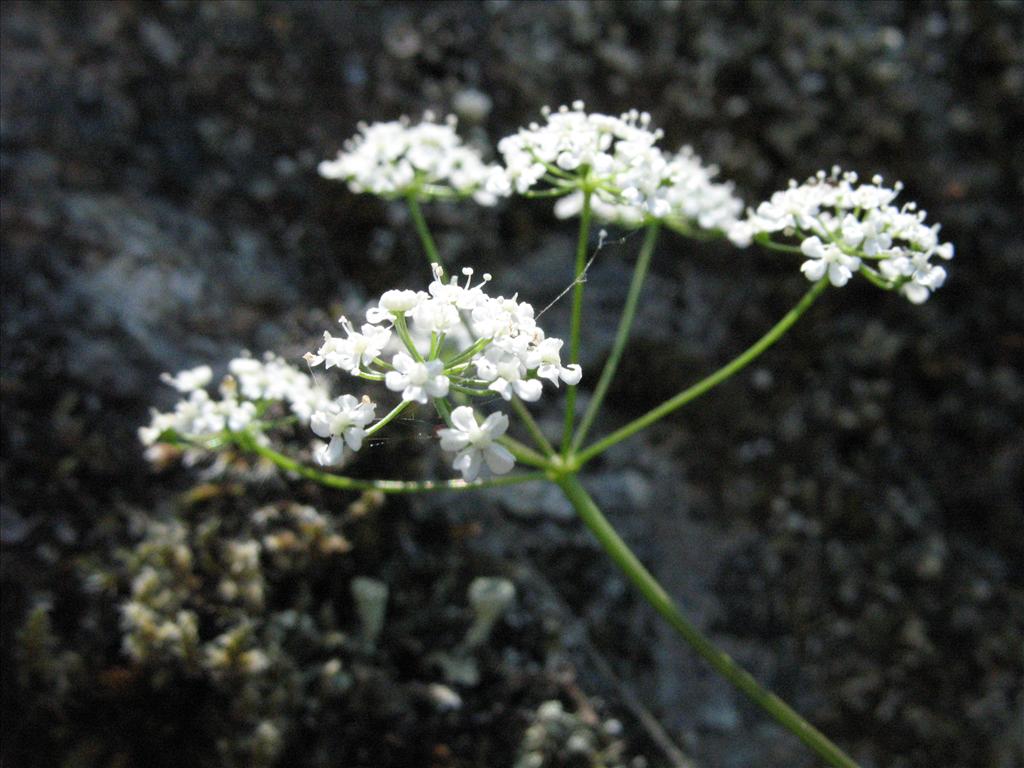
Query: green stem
(686, 229)
(621, 336)
(402, 329)
(387, 419)
(524, 454)
(423, 231)
(469, 390)
(653, 592)
(532, 426)
(709, 382)
(876, 278)
(444, 409)
(577, 313)
(341, 482)
(771, 245)
(467, 353)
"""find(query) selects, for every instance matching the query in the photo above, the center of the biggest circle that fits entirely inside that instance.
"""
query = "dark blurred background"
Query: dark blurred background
(845, 518)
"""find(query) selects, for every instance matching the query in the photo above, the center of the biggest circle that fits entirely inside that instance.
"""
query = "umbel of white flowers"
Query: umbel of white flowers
(453, 337)
(243, 399)
(428, 160)
(843, 227)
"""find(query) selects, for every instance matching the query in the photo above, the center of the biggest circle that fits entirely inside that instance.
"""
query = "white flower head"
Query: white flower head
(547, 360)
(458, 337)
(251, 385)
(501, 317)
(427, 159)
(571, 140)
(844, 225)
(416, 381)
(344, 422)
(476, 443)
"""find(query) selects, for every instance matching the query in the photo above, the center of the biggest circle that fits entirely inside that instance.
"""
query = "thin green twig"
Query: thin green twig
(532, 426)
(429, 247)
(577, 314)
(726, 371)
(341, 482)
(621, 336)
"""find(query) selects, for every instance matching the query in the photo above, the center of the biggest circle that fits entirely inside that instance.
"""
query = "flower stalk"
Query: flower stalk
(659, 599)
(691, 393)
(643, 263)
(577, 315)
(343, 483)
(429, 247)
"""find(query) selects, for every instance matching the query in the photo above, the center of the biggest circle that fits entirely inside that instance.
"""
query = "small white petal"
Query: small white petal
(571, 374)
(499, 460)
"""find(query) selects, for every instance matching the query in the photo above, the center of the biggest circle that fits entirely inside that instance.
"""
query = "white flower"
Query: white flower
(357, 349)
(503, 317)
(190, 380)
(343, 421)
(393, 303)
(428, 160)
(546, 359)
(921, 276)
(416, 381)
(436, 316)
(506, 373)
(463, 297)
(828, 259)
(476, 443)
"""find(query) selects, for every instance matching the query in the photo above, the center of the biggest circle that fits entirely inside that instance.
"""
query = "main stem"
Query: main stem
(577, 313)
(429, 247)
(653, 592)
(643, 262)
(709, 382)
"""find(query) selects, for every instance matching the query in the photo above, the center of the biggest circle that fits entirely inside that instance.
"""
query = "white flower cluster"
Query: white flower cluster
(479, 345)
(612, 149)
(250, 387)
(427, 160)
(842, 226)
(617, 158)
(631, 178)
(678, 190)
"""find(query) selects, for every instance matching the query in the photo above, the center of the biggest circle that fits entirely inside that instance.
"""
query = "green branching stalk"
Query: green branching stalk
(621, 336)
(710, 382)
(653, 592)
(402, 329)
(524, 454)
(532, 426)
(388, 418)
(340, 482)
(429, 247)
